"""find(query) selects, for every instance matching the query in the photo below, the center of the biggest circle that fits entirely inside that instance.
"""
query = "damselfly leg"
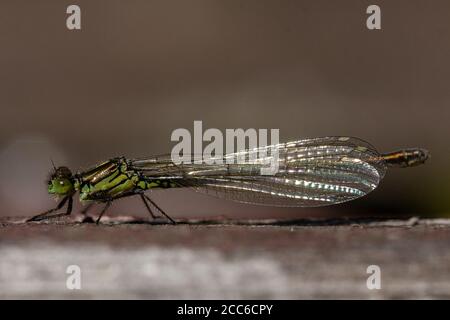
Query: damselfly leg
(148, 207)
(146, 198)
(103, 211)
(47, 216)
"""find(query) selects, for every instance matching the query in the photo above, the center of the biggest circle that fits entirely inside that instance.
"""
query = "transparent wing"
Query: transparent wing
(311, 172)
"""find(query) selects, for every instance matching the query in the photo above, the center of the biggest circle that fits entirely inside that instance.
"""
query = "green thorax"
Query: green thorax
(113, 179)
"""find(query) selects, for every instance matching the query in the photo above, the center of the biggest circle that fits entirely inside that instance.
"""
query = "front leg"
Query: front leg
(46, 215)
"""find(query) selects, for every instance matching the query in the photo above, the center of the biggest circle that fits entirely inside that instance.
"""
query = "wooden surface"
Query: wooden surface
(226, 259)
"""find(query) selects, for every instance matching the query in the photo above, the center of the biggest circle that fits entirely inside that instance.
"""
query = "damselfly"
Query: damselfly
(311, 172)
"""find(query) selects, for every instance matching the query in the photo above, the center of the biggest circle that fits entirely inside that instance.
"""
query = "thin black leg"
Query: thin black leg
(103, 211)
(159, 209)
(148, 207)
(69, 206)
(68, 211)
(45, 215)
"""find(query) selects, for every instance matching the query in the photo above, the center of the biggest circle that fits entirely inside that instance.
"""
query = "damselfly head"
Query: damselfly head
(61, 182)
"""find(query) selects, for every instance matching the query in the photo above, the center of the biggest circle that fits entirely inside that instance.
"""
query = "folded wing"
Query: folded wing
(311, 172)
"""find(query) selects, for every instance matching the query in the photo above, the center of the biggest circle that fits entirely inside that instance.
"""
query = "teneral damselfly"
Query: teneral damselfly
(311, 172)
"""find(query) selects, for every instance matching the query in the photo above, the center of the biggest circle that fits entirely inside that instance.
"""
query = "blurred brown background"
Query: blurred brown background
(140, 69)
